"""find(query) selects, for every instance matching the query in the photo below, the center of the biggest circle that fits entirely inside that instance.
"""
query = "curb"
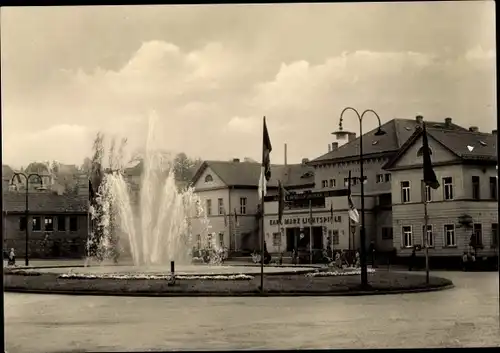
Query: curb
(234, 294)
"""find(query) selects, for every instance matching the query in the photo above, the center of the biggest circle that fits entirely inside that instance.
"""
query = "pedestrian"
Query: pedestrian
(465, 260)
(12, 258)
(412, 259)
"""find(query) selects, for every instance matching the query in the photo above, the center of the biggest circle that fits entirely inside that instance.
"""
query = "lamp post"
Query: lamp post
(26, 211)
(362, 230)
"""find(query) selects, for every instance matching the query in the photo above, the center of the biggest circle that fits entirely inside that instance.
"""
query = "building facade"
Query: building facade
(57, 224)
(463, 210)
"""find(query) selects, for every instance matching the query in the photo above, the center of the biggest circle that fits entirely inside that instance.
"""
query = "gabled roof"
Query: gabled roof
(248, 174)
(397, 132)
(45, 202)
(485, 145)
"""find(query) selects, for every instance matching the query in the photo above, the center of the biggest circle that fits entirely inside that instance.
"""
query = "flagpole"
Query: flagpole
(426, 234)
(310, 232)
(262, 240)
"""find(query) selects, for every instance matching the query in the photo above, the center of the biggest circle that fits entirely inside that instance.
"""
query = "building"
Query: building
(58, 223)
(464, 205)
(332, 170)
(229, 195)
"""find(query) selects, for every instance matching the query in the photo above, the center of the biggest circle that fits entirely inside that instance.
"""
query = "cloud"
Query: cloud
(213, 97)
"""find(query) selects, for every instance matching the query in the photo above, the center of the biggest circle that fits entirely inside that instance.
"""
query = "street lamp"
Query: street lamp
(26, 211)
(362, 231)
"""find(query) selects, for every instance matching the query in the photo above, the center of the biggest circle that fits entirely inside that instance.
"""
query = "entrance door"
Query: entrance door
(317, 237)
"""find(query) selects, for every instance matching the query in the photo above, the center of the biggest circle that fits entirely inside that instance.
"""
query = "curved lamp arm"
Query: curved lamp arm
(342, 116)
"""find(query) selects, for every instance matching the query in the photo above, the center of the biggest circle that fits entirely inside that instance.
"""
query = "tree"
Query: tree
(185, 167)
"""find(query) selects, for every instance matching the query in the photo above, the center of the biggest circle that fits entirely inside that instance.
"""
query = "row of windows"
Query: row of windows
(450, 239)
(48, 223)
(220, 206)
(332, 183)
(209, 241)
(448, 192)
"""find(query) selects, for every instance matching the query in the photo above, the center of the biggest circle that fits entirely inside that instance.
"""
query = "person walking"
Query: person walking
(412, 259)
(12, 258)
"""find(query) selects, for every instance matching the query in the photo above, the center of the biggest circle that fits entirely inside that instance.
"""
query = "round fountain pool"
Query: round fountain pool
(191, 270)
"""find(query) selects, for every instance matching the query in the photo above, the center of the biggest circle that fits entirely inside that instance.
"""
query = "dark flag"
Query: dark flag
(91, 191)
(265, 173)
(331, 212)
(429, 175)
(281, 202)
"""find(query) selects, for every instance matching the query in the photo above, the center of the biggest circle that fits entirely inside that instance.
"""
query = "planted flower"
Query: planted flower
(156, 277)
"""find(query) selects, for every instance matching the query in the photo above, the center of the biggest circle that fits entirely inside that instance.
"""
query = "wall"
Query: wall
(42, 244)
(439, 153)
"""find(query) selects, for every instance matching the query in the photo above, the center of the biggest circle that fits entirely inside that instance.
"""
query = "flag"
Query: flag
(225, 218)
(281, 202)
(91, 192)
(236, 220)
(310, 212)
(331, 212)
(265, 170)
(429, 175)
(353, 212)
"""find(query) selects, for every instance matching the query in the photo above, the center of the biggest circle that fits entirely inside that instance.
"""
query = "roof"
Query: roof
(45, 202)
(248, 173)
(485, 145)
(7, 172)
(397, 132)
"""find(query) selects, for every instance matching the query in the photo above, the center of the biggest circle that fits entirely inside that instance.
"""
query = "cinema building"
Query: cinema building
(392, 161)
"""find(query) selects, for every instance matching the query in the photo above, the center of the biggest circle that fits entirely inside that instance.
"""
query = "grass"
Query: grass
(285, 284)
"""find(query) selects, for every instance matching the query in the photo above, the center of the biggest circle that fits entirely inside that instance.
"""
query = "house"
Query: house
(57, 223)
(229, 194)
(463, 208)
(331, 172)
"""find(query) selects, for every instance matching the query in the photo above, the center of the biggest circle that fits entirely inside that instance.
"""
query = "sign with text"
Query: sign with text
(309, 195)
(302, 221)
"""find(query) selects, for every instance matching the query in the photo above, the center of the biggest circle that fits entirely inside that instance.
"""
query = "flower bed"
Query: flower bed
(117, 276)
(18, 272)
(346, 272)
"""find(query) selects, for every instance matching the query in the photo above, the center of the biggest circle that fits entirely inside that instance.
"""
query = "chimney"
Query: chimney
(447, 122)
(473, 129)
(493, 132)
(329, 148)
(335, 145)
(236, 160)
(419, 119)
(285, 155)
(351, 136)
(305, 161)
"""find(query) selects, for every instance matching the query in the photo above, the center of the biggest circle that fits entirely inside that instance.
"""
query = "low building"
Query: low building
(229, 195)
(57, 223)
(464, 207)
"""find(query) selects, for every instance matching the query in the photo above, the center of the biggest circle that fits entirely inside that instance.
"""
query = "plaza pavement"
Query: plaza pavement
(465, 316)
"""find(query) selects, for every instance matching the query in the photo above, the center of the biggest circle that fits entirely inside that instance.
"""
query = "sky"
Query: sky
(209, 73)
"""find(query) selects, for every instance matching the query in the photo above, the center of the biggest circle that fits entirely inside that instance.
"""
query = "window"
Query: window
(277, 239)
(449, 235)
(335, 237)
(332, 183)
(49, 224)
(209, 241)
(380, 178)
(22, 223)
(494, 235)
(475, 188)
(407, 236)
(405, 191)
(209, 179)
(324, 183)
(387, 233)
(430, 235)
(387, 177)
(493, 188)
(420, 151)
(208, 208)
(426, 193)
(221, 239)
(198, 241)
(220, 204)
(61, 223)
(448, 188)
(477, 231)
(73, 224)
(37, 224)
(243, 205)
